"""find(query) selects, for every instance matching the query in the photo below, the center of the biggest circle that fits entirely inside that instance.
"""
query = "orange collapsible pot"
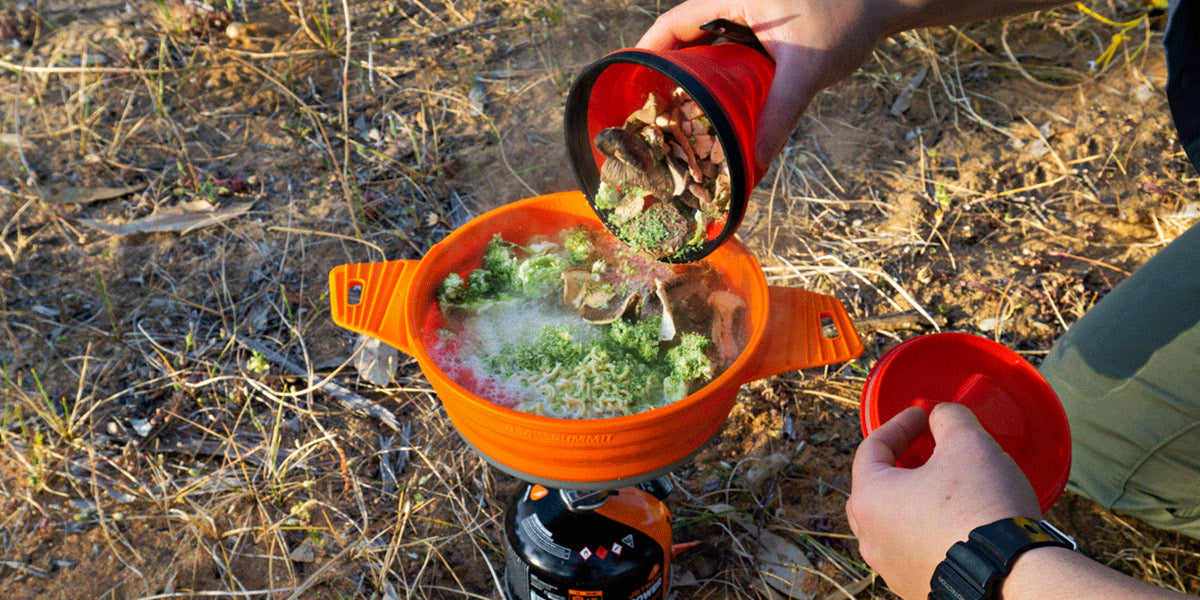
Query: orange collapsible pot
(394, 302)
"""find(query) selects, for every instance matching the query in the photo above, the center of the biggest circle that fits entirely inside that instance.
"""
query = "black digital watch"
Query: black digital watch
(974, 569)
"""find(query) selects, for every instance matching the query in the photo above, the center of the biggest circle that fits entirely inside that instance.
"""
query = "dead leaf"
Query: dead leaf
(304, 553)
(88, 195)
(762, 470)
(182, 218)
(681, 578)
(783, 565)
(374, 360)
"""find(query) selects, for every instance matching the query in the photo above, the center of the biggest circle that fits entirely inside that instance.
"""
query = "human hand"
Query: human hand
(906, 519)
(814, 43)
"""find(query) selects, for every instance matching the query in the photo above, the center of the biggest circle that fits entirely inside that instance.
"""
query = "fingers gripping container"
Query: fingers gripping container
(1012, 401)
(394, 302)
(729, 81)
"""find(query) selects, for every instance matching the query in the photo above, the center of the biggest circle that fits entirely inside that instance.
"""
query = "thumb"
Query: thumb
(881, 449)
(952, 424)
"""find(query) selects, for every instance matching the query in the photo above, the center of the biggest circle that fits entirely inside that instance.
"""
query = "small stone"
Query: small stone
(303, 553)
(990, 324)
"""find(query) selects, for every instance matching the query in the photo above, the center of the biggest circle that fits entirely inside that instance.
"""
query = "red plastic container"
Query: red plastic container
(729, 81)
(1013, 402)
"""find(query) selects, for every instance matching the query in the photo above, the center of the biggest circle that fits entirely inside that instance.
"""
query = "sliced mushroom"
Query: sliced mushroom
(717, 155)
(630, 206)
(588, 293)
(704, 144)
(598, 297)
(667, 330)
(722, 191)
(686, 146)
(689, 199)
(702, 195)
(575, 285)
(725, 305)
(583, 288)
(678, 175)
(657, 140)
(646, 114)
(629, 160)
(677, 278)
(600, 316)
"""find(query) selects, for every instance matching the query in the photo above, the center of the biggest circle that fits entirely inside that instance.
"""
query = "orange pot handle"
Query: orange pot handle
(796, 333)
(368, 298)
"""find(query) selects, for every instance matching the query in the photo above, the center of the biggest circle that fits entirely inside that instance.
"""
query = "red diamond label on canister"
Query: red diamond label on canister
(617, 548)
(585, 553)
(601, 552)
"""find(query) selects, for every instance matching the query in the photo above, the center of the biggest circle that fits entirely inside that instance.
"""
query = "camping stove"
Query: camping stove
(588, 544)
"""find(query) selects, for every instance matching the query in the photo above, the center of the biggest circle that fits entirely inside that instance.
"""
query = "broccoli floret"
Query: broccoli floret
(644, 232)
(607, 196)
(453, 290)
(638, 339)
(552, 346)
(476, 288)
(635, 191)
(501, 260)
(578, 245)
(687, 361)
(540, 274)
(480, 285)
(674, 389)
(507, 270)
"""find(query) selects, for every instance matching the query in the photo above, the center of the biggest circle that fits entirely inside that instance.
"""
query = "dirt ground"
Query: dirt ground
(178, 178)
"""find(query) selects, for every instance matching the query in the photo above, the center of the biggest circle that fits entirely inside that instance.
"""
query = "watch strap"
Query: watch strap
(974, 569)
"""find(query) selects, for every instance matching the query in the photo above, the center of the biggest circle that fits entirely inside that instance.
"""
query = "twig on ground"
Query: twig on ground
(895, 322)
(1098, 263)
(346, 397)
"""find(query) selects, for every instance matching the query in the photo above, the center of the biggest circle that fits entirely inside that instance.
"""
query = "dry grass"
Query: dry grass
(181, 419)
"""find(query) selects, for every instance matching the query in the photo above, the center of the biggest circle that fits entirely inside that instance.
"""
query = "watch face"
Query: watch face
(974, 569)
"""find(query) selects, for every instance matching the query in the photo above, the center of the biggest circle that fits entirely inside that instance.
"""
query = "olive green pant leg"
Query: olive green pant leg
(1128, 375)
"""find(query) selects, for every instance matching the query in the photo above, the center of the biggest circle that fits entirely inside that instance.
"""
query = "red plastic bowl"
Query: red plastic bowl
(1013, 402)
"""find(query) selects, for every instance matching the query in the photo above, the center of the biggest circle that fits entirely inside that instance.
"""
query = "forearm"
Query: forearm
(903, 15)
(1057, 574)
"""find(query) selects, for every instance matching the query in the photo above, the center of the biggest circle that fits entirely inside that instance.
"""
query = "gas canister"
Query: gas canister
(588, 545)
